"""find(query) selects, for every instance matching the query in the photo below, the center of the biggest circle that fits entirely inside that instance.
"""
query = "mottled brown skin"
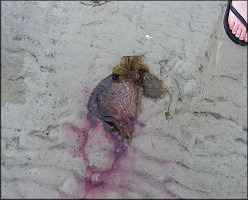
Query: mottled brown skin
(115, 98)
(119, 106)
(114, 102)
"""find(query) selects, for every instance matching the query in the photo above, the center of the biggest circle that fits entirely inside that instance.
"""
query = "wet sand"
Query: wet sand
(52, 56)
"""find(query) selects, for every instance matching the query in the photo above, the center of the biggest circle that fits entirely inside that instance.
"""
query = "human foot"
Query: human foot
(237, 27)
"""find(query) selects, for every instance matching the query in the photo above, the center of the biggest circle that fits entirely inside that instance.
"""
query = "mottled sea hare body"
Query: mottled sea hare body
(114, 102)
(116, 98)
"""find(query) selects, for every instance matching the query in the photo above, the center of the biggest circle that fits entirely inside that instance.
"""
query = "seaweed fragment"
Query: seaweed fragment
(94, 3)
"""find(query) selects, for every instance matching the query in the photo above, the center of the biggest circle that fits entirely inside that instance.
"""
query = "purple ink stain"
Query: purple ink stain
(119, 175)
(94, 178)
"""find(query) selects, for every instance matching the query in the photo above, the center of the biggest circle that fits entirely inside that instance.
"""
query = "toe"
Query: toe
(231, 24)
(235, 28)
(243, 33)
(238, 33)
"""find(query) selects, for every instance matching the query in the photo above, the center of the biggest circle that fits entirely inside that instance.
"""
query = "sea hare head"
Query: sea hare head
(133, 68)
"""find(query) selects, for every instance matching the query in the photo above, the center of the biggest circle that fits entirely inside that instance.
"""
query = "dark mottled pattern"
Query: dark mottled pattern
(114, 102)
(153, 87)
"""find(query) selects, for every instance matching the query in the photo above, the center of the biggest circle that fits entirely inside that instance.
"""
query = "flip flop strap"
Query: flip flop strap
(235, 12)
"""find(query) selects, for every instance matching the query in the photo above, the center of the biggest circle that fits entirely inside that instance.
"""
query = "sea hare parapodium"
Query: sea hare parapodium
(116, 99)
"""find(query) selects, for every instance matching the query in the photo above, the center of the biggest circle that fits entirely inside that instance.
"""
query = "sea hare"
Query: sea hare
(116, 99)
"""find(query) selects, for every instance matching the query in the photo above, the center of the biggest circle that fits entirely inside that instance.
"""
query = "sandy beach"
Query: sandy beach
(53, 54)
